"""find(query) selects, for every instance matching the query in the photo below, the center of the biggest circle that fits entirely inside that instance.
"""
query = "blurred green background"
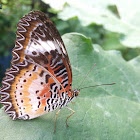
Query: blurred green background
(103, 21)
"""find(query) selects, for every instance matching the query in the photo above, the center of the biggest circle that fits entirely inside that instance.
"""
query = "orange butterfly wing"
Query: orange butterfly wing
(40, 76)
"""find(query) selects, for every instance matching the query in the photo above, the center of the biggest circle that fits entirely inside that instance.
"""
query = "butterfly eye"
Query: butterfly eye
(76, 92)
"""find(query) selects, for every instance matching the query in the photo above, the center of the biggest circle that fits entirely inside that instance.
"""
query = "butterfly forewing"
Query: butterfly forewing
(40, 69)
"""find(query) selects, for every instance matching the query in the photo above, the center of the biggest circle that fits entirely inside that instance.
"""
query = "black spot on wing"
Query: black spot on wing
(51, 85)
(65, 85)
(45, 108)
(41, 73)
(55, 89)
(65, 75)
(61, 73)
(47, 78)
(34, 52)
(34, 68)
(48, 101)
(39, 103)
(64, 81)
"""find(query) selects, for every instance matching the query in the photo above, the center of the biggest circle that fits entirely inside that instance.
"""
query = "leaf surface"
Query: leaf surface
(123, 21)
(105, 112)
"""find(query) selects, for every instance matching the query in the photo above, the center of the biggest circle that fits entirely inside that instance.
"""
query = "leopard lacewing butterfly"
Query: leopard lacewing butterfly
(40, 77)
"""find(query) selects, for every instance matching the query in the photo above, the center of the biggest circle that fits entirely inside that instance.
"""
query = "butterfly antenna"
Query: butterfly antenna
(86, 75)
(97, 85)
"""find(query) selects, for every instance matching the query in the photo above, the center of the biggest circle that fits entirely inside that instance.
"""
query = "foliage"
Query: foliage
(7, 14)
(106, 112)
(113, 16)
(9, 17)
(95, 32)
(124, 19)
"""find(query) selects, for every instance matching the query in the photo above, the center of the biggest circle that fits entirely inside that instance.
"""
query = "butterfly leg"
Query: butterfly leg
(73, 102)
(56, 119)
(69, 115)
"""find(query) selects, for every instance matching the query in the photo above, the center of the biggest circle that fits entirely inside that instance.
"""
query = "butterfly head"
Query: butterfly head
(75, 92)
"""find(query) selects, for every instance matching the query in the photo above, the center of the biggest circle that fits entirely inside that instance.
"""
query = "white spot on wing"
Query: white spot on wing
(41, 46)
(60, 46)
(51, 45)
(64, 51)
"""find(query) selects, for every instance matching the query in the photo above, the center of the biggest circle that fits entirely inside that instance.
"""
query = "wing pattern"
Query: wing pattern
(40, 76)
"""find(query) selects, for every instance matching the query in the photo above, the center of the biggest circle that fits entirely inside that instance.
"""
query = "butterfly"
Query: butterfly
(40, 77)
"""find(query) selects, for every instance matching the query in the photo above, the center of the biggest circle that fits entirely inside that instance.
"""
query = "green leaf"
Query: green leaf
(129, 11)
(124, 19)
(135, 63)
(105, 112)
(111, 42)
(95, 32)
(58, 5)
